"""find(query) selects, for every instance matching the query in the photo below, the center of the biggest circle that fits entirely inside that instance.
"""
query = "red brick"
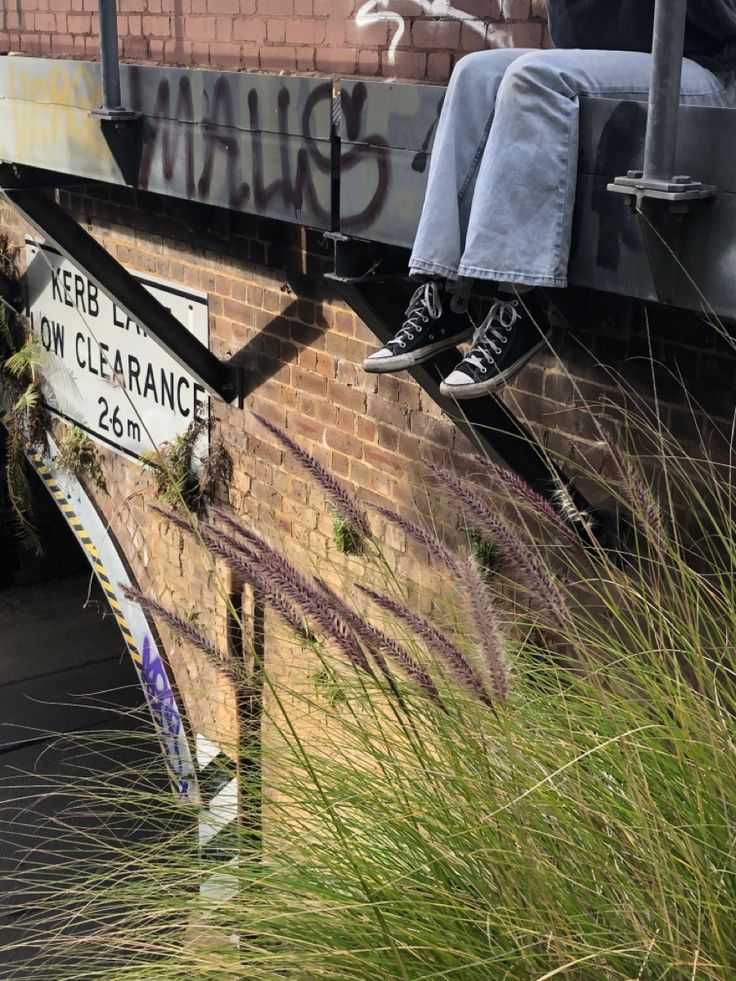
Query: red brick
(249, 29)
(276, 31)
(227, 55)
(341, 59)
(157, 26)
(443, 34)
(77, 23)
(304, 32)
(369, 63)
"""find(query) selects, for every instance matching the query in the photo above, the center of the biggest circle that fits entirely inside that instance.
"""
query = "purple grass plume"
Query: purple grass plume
(237, 527)
(336, 629)
(282, 575)
(424, 537)
(333, 488)
(245, 564)
(546, 594)
(187, 631)
(283, 578)
(243, 561)
(382, 646)
(519, 488)
(637, 493)
(178, 520)
(487, 629)
(436, 642)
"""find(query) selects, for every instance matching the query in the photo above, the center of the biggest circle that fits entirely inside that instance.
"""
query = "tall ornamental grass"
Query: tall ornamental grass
(534, 777)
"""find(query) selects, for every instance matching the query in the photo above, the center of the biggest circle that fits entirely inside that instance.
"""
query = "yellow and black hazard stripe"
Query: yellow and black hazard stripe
(89, 546)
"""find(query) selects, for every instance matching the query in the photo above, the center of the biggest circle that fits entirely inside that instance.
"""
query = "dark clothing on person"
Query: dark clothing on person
(626, 25)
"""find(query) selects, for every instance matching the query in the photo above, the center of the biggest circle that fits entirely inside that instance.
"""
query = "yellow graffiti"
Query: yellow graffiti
(48, 107)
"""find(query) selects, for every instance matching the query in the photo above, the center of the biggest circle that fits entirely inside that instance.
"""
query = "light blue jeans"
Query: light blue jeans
(501, 187)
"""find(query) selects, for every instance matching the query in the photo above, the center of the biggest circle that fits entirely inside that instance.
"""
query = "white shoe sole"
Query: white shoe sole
(399, 362)
(475, 390)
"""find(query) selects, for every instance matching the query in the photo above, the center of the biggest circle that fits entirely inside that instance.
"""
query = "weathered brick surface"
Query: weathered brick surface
(302, 349)
(415, 39)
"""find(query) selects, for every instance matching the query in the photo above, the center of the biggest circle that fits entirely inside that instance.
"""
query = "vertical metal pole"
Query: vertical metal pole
(664, 96)
(109, 64)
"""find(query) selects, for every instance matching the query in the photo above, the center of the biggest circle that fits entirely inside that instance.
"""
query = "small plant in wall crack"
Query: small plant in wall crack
(349, 523)
(185, 482)
(347, 539)
(23, 412)
(79, 456)
(485, 553)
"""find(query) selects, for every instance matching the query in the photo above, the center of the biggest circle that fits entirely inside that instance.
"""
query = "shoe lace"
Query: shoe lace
(425, 305)
(490, 336)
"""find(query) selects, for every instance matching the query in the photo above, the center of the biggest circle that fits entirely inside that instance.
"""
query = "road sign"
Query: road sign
(102, 371)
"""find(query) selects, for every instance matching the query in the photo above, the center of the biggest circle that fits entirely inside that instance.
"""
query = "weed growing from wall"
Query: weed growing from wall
(79, 456)
(21, 363)
(349, 523)
(183, 481)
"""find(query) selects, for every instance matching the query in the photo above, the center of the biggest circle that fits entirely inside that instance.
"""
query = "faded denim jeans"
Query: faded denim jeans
(501, 187)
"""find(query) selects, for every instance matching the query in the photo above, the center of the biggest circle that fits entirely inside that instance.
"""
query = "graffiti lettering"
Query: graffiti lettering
(219, 134)
(162, 703)
(377, 11)
(181, 153)
(371, 148)
(168, 136)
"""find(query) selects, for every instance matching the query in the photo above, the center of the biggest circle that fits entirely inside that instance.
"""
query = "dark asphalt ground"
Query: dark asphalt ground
(70, 711)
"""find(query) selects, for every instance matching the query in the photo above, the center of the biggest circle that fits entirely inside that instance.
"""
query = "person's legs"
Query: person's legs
(520, 224)
(462, 134)
(521, 217)
(438, 317)
(513, 167)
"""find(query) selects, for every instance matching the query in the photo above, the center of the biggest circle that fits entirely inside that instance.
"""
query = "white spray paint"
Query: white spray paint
(378, 11)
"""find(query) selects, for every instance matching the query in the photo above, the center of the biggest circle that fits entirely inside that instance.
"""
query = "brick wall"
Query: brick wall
(302, 348)
(413, 39)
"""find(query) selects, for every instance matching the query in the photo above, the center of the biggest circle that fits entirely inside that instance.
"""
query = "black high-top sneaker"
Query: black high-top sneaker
(435, 320)
(508, 337)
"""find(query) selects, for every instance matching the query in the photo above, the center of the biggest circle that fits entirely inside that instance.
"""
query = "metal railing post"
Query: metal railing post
(664, 93)
(658, 180)
(109, 64)
(112, 108)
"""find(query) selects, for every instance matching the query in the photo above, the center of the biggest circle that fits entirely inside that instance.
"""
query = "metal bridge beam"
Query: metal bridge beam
(75, 244)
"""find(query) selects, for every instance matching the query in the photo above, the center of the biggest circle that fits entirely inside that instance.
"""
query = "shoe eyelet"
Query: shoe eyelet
(431, 337)
(401, 344)
(410, 337)
(483, 371)
(505, 340)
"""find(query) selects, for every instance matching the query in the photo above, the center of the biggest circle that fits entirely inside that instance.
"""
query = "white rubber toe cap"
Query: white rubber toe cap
(458, 379)
(380, 355)
(382, 360)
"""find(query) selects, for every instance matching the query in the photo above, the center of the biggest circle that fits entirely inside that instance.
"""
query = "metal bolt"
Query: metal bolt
(682, 179)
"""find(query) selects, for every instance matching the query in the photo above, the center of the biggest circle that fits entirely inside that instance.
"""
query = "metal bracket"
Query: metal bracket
(661, 207)
(117, 115)
(358, 261)
(679, 190)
